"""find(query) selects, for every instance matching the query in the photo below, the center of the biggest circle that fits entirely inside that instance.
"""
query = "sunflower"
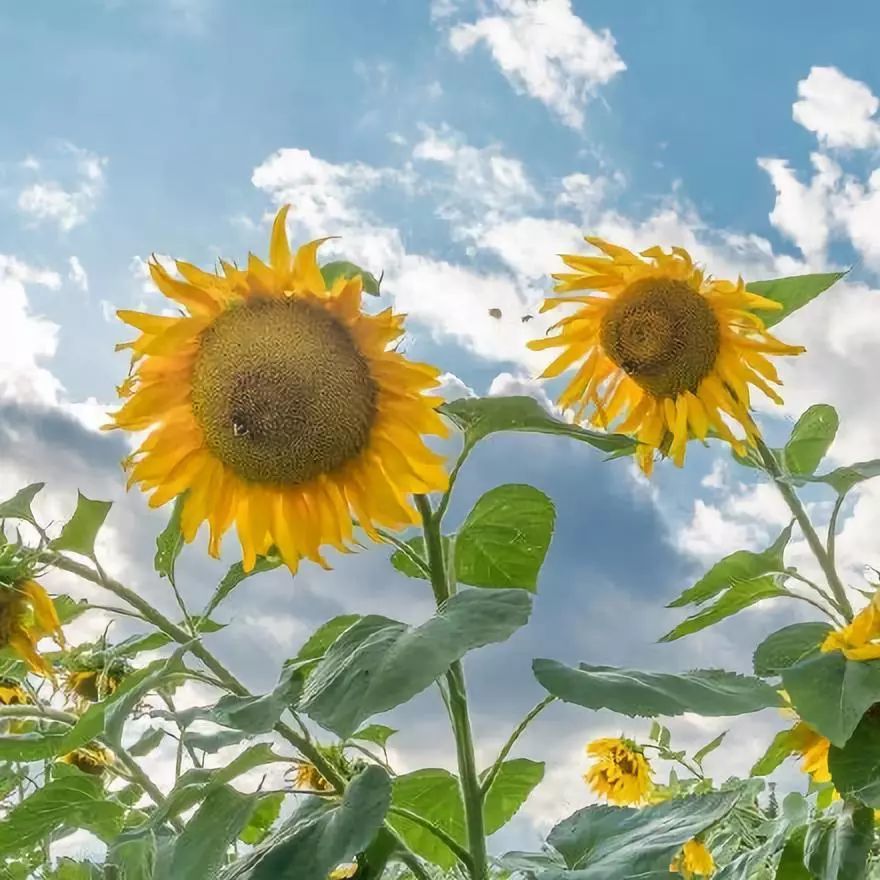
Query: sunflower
(621, 774)
(308, 777)
(662, 347)
(93, 684)
(276, 403)
(27, 614)
(694, 860)
(92, 759)
(860, 639)
(12, 693)
(813, 748)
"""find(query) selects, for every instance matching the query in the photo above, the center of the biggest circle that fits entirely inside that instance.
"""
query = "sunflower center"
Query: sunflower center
(282, 392)
(663, 334)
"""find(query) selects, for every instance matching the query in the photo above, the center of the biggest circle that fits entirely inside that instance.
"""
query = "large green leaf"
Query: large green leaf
(504, 539)
(743, 565)
(855, 768)
(170, 542)
(478, 417)
(235, 576)
(71, 801)
(601, 842)
(379, 663)
(509, 790)
(434, 795)
(80, 531)
(791, 863)
(19, 506)
(262, 819)
(742, 594)
(832, 693)
(711, 692)
(783, 745)
(792, 293)
(843, 479)
(324, 636)
(135, 859)
(837, 846)
(788, 646)
(345, 269)
(320, 835)
(200, 851)
(812, 435)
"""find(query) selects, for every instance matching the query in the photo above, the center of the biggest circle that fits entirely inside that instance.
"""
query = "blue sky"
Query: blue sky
(458, 145)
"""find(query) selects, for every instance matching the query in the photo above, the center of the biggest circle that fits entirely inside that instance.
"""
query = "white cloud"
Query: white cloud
(545, 50)
(77, 274)
(453, 388)
(529, 245)
(521, 385)
(840, 111)
(67, 204)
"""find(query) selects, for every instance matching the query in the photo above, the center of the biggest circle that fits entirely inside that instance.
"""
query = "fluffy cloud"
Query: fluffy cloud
(544, 50)
(77, 274)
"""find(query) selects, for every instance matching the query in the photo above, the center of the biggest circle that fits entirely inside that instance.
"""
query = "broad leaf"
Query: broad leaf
(19, 506)
(855, 768)
(379, 663)
(345, 269)
(710, 692)
(810, 439)
(147, 741)
(504, 539)
(788, 646)
(478, 417)
(792, 293)
(262, 819)
(511, 787)
(134, 645)
(170, 542)
(780, 748)
(791, 863)
(710, 747)
(235, 576)
(135, 859)
(743, 565)
(80, 531)
(602, 842)
(837, 847)
(843, 479)
(68, 609)
(324, 636)
(375, 733)
(832, 693)
(320, 835)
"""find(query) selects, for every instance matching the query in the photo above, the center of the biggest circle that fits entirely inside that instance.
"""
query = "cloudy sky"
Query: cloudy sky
(457, 146)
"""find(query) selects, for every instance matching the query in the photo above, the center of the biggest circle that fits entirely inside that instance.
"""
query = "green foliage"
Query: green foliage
(375, 733)
(780, 748)
(709, 692)
(843, 479)
(80, 531)
(170, 542)
(344, 269)
(379, 663)
(510, 789)
(837, 846)
(812, 435)
(855, 768)
(263, 817)
(135, 858)
(792, 293)
(19, 506)
(324, 636)
(235, 576)
(789, 646)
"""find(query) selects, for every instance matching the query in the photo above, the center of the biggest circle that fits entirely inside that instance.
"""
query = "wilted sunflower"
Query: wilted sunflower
(694, 860)
(93, 683)
(27, 614)
(92, 759)
(621, 774)
(662, 347)
(276, 404)
(12, 693)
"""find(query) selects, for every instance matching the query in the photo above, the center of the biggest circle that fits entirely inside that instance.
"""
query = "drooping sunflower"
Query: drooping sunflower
(813, 748)
(12, 693)
(27, 614)
(94, 682)
(860, 639)
(92, 759)
(661, 348)
(276, 403)
(621, 774)
(694, 860)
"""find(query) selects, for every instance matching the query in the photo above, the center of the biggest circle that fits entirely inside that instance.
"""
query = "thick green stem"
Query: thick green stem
(806, 526)
(458, 706)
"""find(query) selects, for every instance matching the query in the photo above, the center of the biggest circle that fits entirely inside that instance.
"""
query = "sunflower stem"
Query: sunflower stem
(458, 704)
(825, 561)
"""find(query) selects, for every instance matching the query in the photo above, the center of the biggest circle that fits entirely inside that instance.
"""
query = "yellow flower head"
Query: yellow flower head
(93, 684)
(27, 614)
(859, 640)
(694, 860)
(621, 774)
(662, 347)
(308, 777)
(92, 759)
(12, 693)
(344, 872)
(277, 404)
(813, 748)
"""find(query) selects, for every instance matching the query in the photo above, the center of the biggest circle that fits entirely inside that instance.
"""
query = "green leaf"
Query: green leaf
(478, 417)
(345, 269)
(843, 479)
(791, 863)
(434, 795)
(509, 791)
(782, 746)
(855, 768)
(136, 859)
(710, 747)
(68, 609)
(403, 564)
(147, 741)
(788, 646)
(837, 847)
(378, 663)
(710, 692)
(170, 542)
(742, 594)
(19, 506)
(319, 836)
(740, 566)
(71, 801)
(262, 819)
(504, 539)
(79, 532)
(792, 292)
(200, 851)
(602, 842)
(375, 733)
(134, 645)
(324, 636)
(235, 576)
(832, 693)
(810, 439)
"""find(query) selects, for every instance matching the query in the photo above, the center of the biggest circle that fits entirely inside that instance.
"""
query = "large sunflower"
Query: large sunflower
(662, 346)
(276, 403)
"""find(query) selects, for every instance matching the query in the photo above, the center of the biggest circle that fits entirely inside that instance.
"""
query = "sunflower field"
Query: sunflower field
(273, 399)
